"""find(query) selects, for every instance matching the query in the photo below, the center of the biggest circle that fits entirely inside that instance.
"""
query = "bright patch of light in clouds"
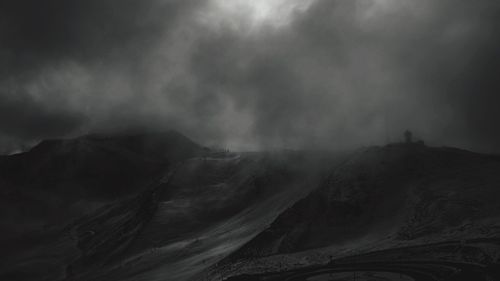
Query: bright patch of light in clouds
(246, 14)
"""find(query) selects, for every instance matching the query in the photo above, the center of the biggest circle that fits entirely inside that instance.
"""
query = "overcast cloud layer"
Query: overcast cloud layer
(253, 74)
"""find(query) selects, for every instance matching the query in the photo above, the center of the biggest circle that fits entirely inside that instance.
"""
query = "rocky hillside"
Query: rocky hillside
(383, 197)
(58, 181)
(143, 207)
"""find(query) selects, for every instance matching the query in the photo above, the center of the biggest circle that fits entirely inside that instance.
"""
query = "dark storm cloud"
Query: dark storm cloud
(358, 73)
(43, 31)
(469, 77)
(339, 74)
(25, 118)
(40, 38)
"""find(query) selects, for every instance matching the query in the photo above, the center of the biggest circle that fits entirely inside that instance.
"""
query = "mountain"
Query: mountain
(58, 181)
(205, 208)
(160, 207)
(65, 174)
(100, 166)
(385, 198)
(142, 207)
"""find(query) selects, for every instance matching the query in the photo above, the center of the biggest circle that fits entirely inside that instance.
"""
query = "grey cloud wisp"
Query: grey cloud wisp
(330, 74)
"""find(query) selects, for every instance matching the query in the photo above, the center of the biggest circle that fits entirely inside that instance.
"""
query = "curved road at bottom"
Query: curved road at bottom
(417, 270)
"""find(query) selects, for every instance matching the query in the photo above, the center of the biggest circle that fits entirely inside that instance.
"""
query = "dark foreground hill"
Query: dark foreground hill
(406, 209)
(141, 207)
(57, 181)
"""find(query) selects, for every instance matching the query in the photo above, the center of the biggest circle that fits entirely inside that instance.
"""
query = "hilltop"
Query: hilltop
(384, 198)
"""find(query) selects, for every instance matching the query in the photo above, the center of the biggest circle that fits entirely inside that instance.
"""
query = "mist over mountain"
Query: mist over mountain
(418, 212)
(305, 140)
(161, 207)
(401, 191)
(252, 75)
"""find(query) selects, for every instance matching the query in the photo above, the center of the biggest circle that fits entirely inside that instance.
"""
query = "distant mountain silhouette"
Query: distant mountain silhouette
(98, 165)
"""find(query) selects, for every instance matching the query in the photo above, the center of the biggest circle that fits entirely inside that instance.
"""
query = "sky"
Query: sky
(250, 75)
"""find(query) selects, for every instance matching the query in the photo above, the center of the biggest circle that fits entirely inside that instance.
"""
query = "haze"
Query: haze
(251, 75)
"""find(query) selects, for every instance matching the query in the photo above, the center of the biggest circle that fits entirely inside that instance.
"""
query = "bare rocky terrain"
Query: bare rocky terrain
(161, 207)
(141, 207)
(406, 209)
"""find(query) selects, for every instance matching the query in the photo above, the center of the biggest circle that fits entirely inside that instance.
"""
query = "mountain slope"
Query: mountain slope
(141, 207)
(213, 205)
(58, 181)
(393, 195)
(97, 165)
